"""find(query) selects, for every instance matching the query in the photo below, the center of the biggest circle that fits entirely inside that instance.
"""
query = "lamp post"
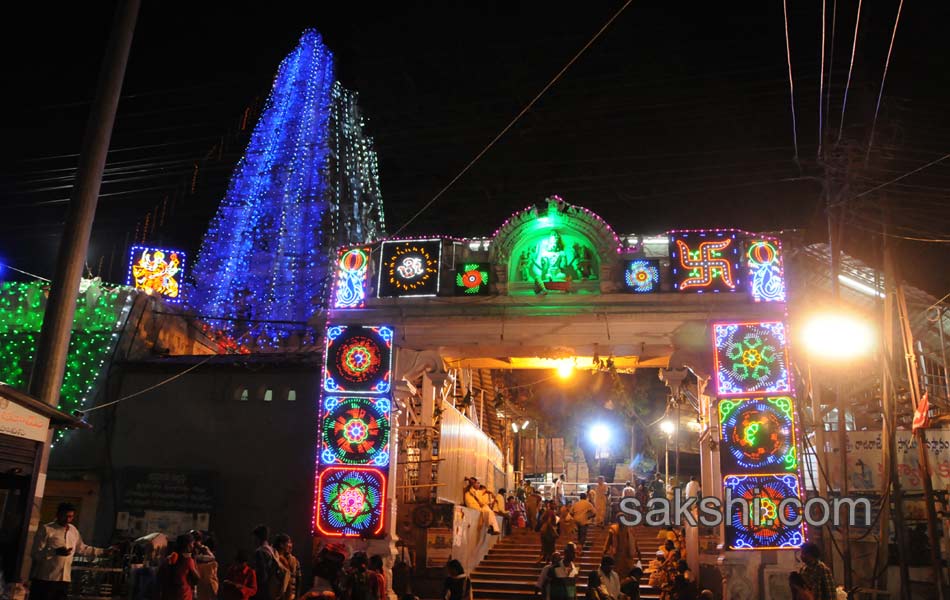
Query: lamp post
(837, 339)
(667, 427)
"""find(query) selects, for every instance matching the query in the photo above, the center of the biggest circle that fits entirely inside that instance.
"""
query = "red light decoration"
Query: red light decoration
(705, 261)
(351, 502)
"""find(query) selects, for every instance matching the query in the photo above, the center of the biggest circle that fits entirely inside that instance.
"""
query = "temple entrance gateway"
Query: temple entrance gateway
(555, 289)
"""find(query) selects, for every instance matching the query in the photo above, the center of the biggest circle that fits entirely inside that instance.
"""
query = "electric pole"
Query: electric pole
(50, 358)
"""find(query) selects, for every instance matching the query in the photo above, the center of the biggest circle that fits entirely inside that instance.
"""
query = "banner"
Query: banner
(865, 469)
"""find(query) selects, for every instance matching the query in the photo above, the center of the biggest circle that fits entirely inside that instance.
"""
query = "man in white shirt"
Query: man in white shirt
(692, 488)
(607, 580)
(559, 489)
(55, 546)
(628, 491)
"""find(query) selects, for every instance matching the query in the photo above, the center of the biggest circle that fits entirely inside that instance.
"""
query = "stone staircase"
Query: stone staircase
(511, 568)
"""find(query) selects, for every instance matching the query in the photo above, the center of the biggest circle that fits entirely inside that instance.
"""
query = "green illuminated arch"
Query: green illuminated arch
(562, 248)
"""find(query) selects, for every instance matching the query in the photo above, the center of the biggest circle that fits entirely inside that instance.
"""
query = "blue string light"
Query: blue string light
(265, 259)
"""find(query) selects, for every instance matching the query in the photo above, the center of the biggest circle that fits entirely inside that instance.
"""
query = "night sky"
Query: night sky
(677, 117)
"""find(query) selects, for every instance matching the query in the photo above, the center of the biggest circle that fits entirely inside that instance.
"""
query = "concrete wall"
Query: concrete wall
(261, 454)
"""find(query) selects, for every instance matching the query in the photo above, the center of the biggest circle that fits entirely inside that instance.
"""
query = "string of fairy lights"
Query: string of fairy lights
(101, 314)
(307, 184)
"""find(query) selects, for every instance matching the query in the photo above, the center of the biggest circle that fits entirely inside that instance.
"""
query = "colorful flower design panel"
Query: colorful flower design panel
(351, 268)
(409, 268)
(358, 359)
(157, 271)
(705, 261)
(355, 431)
(751, 358)
(758, 435)
(351, 502)
(766, 272)
(471, 279)
(756, 523)
(642, 276)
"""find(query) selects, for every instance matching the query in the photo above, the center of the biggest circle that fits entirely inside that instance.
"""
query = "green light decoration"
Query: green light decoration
(100, 315)
(726, 407)
(791, 459)
(783, 403)
(749, 433)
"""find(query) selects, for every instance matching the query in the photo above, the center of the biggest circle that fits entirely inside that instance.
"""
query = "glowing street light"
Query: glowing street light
(525, 424)
(514, 427)
(667, 427)
(599, 434)
(837, 337)
(565, 369)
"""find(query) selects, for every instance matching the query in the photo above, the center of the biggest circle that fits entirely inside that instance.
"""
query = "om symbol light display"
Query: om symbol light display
(705, 261)
(351, 269)
(766, 274)
(157, 271)
(358, 359)
(409, 268)
(751, 358)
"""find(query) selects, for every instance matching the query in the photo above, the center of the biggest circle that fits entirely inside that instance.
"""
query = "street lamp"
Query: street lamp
(837, 337)
(667, 427)
(565, 368)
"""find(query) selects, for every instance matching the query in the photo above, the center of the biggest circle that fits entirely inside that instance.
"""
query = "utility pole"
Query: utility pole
(889, 439)
(834, 198)
(913, 381)
(50, 358)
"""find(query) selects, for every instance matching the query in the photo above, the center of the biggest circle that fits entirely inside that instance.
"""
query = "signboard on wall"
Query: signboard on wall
(164, 490)
(22, 422)
(865, 469)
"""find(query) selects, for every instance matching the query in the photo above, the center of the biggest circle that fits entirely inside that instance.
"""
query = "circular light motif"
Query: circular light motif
(352, 502)
(757, 434)
(642, 276)
(359, 358)
(355, 431)
(472, 279)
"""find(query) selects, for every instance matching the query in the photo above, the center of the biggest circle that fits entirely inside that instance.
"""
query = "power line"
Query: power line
(791, 82)
(880, 93)
(908, 174)
(517, 117)
(854, 47)
(821, 76)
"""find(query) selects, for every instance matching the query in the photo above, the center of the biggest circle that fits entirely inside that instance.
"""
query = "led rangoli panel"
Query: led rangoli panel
(471, 279)
(766, 273)
(355, 431)
(351, 502)
(760, 528)
(409, 268)
(642, 276)
(157, 271)
(758, 435)
(751, 358)
(358, 359)
(705, 261)
(351, 268)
